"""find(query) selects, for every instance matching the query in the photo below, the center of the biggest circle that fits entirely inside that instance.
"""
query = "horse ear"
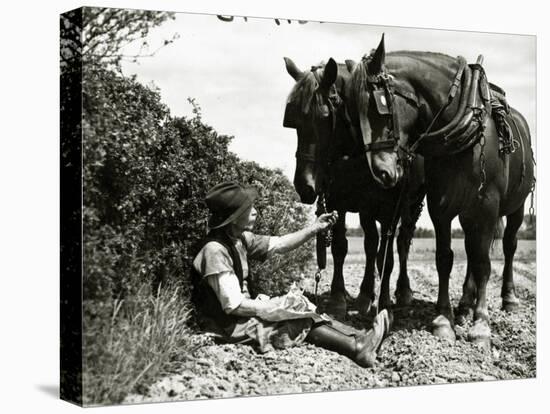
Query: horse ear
(350, 64)
(293, 70)
(329, 74)
(377, 62)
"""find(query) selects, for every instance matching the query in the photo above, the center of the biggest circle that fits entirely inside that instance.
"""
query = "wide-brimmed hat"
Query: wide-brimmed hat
(227, 201)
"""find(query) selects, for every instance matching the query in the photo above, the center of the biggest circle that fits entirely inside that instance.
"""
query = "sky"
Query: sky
(235, 71)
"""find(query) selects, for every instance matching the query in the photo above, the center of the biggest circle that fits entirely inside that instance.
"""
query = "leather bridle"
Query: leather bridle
(382, 89)
(331, 100)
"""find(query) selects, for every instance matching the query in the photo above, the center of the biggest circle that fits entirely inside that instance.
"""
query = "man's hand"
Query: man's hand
(291, 241)
(326, 221)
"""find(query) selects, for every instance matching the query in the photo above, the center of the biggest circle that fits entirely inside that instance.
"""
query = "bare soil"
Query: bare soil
(411, 355)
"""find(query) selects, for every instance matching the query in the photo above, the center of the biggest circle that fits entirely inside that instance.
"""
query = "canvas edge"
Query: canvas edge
(71, 386)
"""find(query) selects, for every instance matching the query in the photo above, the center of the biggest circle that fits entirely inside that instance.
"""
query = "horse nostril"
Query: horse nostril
(307, 194)
(384, 176)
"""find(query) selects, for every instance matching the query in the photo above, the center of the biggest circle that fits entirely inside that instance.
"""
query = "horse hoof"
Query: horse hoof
(464, 314)
(480, 334)
(404, 297)
(363, 304)
(442, 328)
(510, 304)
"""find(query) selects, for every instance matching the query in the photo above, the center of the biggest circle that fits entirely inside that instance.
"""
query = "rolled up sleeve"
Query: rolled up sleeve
(227, 289)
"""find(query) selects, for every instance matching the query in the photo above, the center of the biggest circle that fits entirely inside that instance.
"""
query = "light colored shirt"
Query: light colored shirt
(215, 264)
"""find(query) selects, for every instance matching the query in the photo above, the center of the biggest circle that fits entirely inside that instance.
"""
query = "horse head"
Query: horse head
(311, 110)
(380, 104)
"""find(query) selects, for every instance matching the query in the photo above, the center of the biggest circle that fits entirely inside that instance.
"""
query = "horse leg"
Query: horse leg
(366, 293)
(403, 292)
(467, 301)
(479, 233)
(337, 305)
(443, 323)
(510, 302)
(387, 253)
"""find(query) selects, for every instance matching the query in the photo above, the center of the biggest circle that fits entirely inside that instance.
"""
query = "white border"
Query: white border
(30, 203)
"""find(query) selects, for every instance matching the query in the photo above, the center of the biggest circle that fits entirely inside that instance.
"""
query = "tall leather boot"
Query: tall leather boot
(359, 346)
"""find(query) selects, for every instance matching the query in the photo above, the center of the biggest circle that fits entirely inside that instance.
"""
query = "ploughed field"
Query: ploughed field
(411, 355)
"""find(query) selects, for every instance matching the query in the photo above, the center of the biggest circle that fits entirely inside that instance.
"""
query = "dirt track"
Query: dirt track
(409, 356)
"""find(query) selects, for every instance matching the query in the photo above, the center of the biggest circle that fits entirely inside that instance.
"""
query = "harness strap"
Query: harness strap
(409, 96)
(349, 125)
(303, 156)
(330, 97)
(450, 97)
(520, 136)
(322, 241)
(391, 232)
(463, 130)
(395, 119)
(384, 100)
(380, 145)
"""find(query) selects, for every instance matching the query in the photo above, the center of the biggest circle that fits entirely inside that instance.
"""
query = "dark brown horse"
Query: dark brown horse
(439, 106)
(330, 162)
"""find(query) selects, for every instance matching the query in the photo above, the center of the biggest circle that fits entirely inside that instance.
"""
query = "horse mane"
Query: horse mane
(418, 54)
(438, 61)
(303, 93)
(357, 84)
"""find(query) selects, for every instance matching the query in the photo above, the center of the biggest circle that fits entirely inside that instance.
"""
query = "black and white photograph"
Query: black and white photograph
(291, 206)
(276, 206)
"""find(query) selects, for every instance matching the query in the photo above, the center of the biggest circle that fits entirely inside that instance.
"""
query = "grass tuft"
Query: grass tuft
(129, 343)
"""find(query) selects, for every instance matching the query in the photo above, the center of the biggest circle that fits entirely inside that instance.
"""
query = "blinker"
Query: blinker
(379, 96)
(289, 120)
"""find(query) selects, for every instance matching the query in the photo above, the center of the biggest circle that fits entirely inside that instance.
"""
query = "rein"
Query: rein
(391, 232)
(306, 156)
(324, 239)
